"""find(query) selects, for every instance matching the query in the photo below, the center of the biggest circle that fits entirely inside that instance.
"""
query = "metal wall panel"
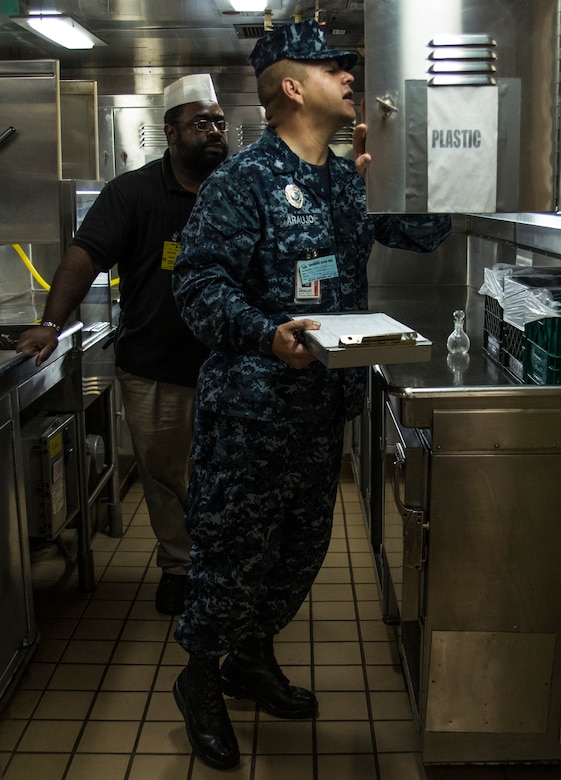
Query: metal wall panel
(132, 129)
(79, 129)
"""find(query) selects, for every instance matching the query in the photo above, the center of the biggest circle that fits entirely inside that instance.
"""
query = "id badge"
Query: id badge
(305, 291)
(310, 272)
(170, 251)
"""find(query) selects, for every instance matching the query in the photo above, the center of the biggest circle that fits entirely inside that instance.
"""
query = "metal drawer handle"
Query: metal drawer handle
(414, 525)
(8, 133)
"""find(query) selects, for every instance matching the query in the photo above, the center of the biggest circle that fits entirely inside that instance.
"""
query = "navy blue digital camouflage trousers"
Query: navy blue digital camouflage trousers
(259, 511)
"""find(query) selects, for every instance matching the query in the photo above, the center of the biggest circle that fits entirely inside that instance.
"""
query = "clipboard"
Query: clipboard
(364, 339)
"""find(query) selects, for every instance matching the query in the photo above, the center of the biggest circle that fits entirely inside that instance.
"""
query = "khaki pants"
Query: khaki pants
(160, 419)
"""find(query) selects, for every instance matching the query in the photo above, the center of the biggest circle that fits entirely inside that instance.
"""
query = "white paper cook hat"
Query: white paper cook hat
(189, 89)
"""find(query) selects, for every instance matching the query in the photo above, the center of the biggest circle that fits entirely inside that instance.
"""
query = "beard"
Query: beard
(203, 156)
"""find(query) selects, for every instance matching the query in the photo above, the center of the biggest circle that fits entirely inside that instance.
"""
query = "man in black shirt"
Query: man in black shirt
(136, 223)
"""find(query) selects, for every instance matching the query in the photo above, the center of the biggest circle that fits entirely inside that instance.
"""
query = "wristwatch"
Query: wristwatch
(49, 324)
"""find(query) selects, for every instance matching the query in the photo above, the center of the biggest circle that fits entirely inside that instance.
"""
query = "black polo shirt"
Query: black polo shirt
(136, 223)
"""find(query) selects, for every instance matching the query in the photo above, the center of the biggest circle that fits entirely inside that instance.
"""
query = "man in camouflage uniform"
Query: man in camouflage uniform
(269, 418)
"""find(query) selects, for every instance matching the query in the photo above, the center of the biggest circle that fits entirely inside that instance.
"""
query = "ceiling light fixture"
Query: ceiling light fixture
(257, 6)
(60, 29)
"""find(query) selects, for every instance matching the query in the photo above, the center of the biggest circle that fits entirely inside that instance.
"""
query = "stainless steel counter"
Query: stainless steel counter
(464, 520)
(19, 372)
(453, 383)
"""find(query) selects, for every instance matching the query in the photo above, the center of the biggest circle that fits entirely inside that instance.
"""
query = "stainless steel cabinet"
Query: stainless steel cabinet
(19, 634)
(31, 158)
(470, 557)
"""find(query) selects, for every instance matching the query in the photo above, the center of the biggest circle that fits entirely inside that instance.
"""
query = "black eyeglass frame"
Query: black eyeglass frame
(204, 125)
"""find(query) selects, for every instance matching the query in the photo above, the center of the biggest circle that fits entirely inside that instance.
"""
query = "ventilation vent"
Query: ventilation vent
(462, 60)
(250, 32)
(152, 137)
(343, 136)
(247, 134)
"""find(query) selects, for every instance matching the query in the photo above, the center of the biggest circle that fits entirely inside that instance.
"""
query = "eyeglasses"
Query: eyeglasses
(204, 125)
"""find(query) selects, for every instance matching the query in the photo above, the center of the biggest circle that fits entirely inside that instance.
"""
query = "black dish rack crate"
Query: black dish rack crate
(493, 326)
(502, 341)
(512, 351)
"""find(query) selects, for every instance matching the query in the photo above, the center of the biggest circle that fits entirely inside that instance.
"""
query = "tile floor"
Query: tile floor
(96, 702)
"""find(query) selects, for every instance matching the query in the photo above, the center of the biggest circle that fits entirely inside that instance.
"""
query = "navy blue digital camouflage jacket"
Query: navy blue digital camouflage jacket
(234, 279)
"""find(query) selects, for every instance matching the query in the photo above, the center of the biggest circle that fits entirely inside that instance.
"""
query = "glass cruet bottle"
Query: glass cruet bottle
(458, 341)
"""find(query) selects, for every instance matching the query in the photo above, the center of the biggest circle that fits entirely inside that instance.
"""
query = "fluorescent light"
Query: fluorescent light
(63, 31)
(60, 29)
(249, 5)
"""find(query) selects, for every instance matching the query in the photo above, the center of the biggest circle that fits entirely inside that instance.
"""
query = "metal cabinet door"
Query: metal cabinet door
(16, 612)
(405, 469)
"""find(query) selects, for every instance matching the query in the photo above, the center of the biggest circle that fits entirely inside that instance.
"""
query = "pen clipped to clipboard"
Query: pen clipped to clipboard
(367, 340)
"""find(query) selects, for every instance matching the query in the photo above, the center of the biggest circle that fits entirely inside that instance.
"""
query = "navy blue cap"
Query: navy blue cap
(297, 41)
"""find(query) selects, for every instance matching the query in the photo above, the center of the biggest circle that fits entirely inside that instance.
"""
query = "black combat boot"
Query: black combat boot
(170, 594)
(252, 672)
(197, 694)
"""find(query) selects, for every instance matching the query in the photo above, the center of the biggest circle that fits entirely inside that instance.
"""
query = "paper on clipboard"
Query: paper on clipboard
(361, 339)
(356, 330)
